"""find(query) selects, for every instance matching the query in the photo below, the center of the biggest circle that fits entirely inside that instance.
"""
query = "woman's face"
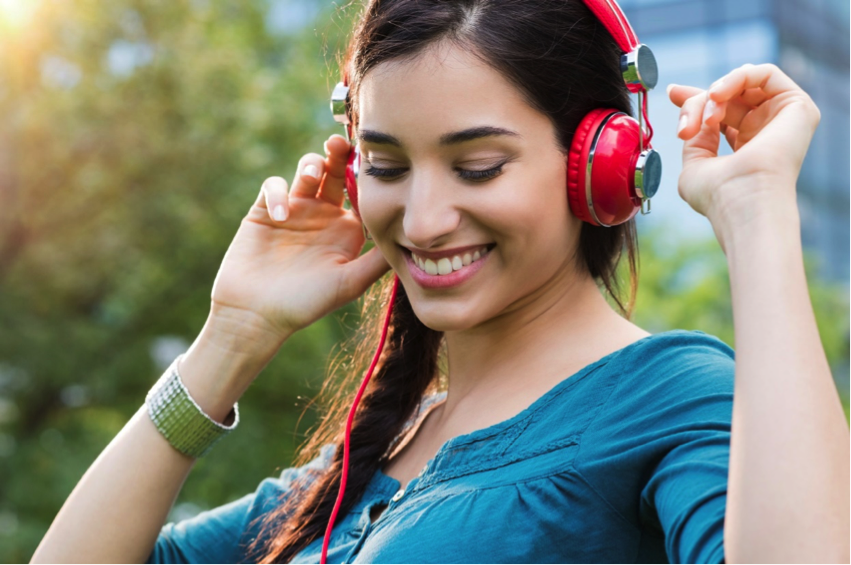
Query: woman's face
(468, 164)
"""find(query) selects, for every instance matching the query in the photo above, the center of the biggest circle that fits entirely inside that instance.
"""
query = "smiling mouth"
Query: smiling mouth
(448, 265)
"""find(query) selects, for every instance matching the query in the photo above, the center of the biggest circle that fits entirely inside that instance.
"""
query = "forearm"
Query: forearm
(788, 492)
(116, 511)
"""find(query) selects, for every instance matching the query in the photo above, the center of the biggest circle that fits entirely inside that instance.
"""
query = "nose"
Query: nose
(431, 214)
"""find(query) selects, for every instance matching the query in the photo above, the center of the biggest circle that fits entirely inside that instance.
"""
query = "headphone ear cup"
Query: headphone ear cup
(577, 162)
(351, 178)
(606, 146)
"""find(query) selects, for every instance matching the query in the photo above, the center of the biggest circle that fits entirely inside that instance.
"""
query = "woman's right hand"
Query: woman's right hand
(295, 257)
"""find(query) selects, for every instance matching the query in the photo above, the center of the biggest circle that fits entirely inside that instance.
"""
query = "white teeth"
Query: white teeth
(430, 267)
(446, 265)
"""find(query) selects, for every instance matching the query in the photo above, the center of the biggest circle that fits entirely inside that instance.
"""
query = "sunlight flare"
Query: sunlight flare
(15, 14)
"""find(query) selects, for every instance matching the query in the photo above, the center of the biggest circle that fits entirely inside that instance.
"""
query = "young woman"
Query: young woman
(561, 431)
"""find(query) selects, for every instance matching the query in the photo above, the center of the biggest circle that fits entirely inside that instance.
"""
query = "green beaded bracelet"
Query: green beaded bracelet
(179, 418)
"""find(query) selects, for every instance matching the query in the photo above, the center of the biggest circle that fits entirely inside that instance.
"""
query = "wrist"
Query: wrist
(740, 221)
(224, 360)
(242, 330)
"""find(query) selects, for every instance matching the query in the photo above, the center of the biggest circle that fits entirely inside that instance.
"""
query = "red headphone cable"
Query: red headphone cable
(351, 418)
(646, 118)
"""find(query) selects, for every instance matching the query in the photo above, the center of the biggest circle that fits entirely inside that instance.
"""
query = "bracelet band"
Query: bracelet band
(179, 418)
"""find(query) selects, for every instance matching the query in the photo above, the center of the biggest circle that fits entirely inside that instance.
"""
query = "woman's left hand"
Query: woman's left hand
(768, 122)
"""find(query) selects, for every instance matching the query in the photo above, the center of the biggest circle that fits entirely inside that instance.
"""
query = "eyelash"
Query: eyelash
(478, 176)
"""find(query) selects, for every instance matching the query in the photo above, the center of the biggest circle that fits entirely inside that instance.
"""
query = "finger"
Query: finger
(731, 134)
(679, 93)
(730, 113)
(702, 145)
(737, 107)
(309, 173)
(700, 139)
(691, 116)
(754, 123)
(698, 110)
(766, 77)
(362, 272)
(753, 96)
(337, 151)
(273, 198)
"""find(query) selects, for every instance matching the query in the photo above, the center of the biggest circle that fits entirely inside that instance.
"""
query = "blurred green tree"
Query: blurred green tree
(135, 136)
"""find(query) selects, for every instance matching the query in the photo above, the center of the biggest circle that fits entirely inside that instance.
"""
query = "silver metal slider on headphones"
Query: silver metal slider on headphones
(340, 102)
(639, 69)
(647, 174)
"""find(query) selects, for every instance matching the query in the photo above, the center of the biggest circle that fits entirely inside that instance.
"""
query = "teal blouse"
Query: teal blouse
(624, 461)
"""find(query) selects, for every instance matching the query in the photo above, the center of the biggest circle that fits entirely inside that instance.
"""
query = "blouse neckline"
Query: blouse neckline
(387, 485)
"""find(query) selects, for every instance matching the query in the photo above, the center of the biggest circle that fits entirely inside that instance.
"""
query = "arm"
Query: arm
(116, 511)
(278, 276)
(788, 498)
(788, 484)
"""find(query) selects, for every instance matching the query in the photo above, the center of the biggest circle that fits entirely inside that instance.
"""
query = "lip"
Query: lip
(437, 255)
(455, 278)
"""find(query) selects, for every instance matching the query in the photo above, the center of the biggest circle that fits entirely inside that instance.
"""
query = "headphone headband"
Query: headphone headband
(638, 65)
(608, 12)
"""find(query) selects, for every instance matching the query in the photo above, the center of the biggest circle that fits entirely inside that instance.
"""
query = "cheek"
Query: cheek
(538, 206)
(379, 210)
(375, 210)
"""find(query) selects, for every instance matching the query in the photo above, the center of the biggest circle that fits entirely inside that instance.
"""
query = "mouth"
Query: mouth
(447, 271)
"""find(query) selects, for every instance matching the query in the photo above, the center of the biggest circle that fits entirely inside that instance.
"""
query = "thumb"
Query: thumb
(360, 273)
(703, 144)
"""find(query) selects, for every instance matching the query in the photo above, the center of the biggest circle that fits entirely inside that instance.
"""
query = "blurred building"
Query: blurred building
(698, 41)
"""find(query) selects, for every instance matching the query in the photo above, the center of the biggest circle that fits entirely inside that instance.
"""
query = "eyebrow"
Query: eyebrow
(451, 138)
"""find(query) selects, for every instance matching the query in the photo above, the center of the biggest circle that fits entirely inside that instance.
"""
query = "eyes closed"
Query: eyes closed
(388, 174)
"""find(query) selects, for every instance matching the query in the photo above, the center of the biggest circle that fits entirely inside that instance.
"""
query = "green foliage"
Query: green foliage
(135, 136)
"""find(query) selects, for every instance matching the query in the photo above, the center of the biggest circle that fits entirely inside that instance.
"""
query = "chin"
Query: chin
(445, 317)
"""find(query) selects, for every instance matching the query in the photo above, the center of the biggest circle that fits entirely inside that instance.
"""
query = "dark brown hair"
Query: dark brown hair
(565, 63)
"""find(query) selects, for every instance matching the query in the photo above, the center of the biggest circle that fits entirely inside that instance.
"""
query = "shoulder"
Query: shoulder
(292, 479)
(670, 382)
(670, 393)
(682, 342)
(676, 362)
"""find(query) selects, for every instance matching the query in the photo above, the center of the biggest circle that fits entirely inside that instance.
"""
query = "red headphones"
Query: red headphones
(612, 170)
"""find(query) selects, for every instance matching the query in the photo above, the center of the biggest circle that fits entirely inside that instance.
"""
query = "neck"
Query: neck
(532, 340)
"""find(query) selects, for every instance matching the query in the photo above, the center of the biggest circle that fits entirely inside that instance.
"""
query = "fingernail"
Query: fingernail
(279, 213)
(310, 170)
(708, 110)
(670, 86)
(683, 123)
(325, 145)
